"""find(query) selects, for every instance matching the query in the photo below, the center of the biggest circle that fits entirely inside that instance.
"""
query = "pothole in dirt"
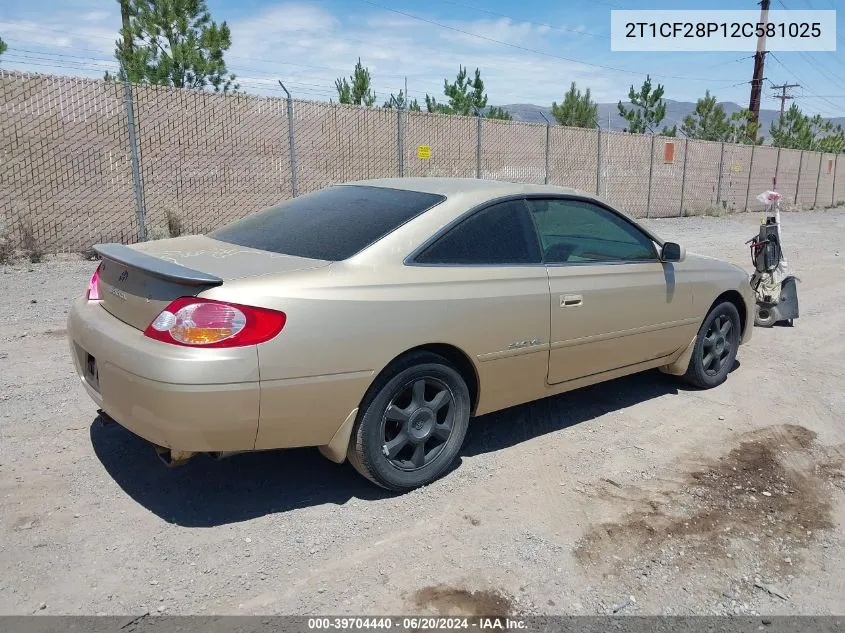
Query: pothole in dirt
(453, 601)
(769, 495)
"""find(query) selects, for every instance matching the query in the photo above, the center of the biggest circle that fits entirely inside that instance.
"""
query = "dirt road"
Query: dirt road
(637, 496)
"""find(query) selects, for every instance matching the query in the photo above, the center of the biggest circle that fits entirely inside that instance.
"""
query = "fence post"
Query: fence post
(291, 142)
(818, 179)
(136, 162)
(548, 142)
(777, 169)
(650, 173)
(833, 191)
(798, 181)
(400, 140)
(750, 173)
(721, 169)
(478, 147)
(683, 178)
(598, 163)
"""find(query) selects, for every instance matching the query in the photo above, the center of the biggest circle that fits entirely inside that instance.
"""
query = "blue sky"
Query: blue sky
(308, 43)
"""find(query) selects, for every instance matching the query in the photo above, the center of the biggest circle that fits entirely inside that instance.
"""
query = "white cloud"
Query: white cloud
(272, 29)
(502, 30)
(308, 47)
(95, 16)
(393, 46)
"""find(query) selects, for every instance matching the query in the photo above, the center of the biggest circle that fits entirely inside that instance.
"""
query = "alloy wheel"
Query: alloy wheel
(718, 345)
(417, 423)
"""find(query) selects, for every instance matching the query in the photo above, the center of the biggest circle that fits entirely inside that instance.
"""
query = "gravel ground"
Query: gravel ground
(637, 496)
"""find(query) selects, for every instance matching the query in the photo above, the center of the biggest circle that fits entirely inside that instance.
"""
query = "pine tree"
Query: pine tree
(834, 142)
(793, 130)
(466, 97)
(495, 112)
(708, 122)
(744, 129)
(173, 43)
(400, 102)
(647, 110)
(356, 91)
(577, 109)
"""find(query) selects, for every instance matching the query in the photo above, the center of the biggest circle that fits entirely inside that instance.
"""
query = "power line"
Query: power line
(272, 73)
(532, 50)
(777, 59)
(227, 55)
(783, 96)
(815, 64)
(523, 21)
(418, 80)
(92, 63)
(93, 66)
(810, 4)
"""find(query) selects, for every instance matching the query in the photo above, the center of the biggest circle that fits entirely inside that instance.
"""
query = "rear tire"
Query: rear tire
(715, 347)
(411, 423)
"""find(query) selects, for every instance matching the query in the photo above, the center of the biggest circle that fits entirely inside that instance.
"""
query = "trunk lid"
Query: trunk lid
(137, 282)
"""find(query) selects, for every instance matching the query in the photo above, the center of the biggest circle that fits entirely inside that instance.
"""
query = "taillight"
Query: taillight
(93, 293)
(196, 322)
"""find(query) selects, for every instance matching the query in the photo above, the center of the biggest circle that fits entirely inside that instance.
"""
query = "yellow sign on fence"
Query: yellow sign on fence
(424, 152)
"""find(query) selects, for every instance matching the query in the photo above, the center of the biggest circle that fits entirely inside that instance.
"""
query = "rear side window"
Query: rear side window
(501, 234)
(331, 224)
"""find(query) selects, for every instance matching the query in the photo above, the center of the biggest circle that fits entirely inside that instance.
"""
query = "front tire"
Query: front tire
(715, 348)
(411, 424)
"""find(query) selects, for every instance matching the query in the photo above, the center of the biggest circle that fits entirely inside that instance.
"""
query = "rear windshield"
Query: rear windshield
(331, 224)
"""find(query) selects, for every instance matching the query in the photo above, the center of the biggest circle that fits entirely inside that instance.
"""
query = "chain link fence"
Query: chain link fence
(65, 169)
(513, 151)
(205, 159)
(574, 157)
(85, 161)
(452, 145)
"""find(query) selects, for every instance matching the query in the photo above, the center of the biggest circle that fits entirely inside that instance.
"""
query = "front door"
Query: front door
(614, 304)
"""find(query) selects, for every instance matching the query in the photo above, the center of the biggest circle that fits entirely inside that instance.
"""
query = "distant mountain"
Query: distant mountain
(609, 114)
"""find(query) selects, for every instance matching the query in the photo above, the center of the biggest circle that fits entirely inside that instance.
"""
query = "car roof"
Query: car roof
(461, 195)
(454, 186)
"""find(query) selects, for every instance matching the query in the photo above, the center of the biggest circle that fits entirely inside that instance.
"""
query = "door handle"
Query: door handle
(567, 301)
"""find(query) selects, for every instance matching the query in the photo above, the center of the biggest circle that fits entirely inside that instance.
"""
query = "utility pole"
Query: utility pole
(759, 58)
(783, 96)
(127, 35)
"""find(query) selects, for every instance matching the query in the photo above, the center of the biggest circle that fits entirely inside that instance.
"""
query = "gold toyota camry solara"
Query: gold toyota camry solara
(373, 319)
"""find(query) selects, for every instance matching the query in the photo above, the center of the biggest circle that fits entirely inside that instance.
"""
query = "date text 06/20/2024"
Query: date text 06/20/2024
(415, 623)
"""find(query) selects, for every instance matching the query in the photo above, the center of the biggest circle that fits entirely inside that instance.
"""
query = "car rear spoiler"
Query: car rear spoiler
(154, 266)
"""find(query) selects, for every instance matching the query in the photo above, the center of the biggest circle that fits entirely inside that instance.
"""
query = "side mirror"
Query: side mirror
(672, 252)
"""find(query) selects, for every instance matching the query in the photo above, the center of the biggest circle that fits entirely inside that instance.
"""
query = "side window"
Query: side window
(500, 234)
(579, 231)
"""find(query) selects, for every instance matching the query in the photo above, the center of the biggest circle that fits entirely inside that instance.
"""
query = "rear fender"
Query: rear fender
(336, 449)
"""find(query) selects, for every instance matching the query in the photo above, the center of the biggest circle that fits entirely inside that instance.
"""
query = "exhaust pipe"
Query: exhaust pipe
(105, 419)
(172, 458)
(220, 455)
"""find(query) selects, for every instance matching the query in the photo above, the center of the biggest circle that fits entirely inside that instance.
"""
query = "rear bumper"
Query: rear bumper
(176, 397)
(190, 399)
